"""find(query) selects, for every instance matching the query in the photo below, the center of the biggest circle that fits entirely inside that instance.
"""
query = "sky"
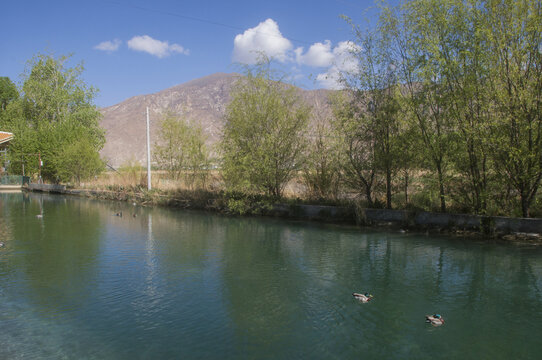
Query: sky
(131, 48)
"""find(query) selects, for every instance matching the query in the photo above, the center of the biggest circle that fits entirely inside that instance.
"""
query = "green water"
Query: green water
(81, 283)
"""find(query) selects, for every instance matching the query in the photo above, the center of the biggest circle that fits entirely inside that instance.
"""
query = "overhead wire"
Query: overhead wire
(202, 20)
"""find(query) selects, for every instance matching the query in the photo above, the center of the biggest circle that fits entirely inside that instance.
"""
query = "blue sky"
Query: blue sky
(131, 48)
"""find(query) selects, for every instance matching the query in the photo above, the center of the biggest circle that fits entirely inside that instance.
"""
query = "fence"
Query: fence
(14, 180)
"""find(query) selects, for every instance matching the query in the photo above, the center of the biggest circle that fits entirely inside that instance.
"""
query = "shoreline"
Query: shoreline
(513, 230)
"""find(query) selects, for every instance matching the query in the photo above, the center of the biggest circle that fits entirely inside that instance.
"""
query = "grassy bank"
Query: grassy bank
(421, 194)
(217, 201)
(298, 203)
(464, 225)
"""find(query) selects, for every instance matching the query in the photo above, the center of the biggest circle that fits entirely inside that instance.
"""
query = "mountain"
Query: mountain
(201, 101)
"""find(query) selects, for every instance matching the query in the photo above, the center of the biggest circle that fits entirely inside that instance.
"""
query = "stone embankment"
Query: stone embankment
(513, 229)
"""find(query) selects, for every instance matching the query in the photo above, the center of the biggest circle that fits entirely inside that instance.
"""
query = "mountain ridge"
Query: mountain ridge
(202, 101)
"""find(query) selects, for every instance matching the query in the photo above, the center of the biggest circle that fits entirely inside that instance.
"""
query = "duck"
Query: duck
(2, 244)
(435, 319)
(119, 214)
(39, 216)
(364, 298)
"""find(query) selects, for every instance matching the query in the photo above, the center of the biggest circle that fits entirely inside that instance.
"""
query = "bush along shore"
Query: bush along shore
(523, 230)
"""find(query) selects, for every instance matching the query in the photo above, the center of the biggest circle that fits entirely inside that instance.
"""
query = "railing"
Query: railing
(14, 180)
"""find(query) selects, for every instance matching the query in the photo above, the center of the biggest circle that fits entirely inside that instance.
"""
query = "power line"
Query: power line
(348, 3)
(205, 21)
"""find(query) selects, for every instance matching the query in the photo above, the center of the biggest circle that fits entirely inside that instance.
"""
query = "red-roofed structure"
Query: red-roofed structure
(5, 138)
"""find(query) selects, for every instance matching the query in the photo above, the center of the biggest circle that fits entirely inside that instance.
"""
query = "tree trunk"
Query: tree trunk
(524, 205)
(388, 188)
(406, 187)
(368, 194)
(441, 187)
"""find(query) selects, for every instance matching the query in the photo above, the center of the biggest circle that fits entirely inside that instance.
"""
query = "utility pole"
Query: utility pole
(148, 153)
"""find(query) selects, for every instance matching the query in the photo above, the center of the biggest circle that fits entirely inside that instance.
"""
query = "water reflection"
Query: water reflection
(82, 282)
(58, 251)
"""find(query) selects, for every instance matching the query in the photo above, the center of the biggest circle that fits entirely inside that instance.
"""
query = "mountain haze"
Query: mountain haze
(202, 101)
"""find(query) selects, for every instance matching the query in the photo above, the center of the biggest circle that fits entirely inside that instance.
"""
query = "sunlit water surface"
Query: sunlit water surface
(81, 283)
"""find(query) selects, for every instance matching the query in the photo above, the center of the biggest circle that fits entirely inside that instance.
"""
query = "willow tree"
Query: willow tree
(264, 135)
(181, 149)
(415, 48)
(514, 33)
(370, 120)
(322, 173)
(464, 73)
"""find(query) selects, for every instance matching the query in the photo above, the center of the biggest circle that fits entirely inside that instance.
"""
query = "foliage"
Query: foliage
(321, 172)
(55, 109)
(263, 141)
(8, 92)
(356, 142)
(131, 173)
(78, 161)
(242, 203)
(464, 93)
(170, 149)
(371, 121)
(416, 52)
(198, 163)
(514, 30)
(181, 150)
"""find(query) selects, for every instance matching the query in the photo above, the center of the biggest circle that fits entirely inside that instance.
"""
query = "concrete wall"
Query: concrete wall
(509, 225)
(410, 219)
(372, 217)
(314, 212)
(47, 188)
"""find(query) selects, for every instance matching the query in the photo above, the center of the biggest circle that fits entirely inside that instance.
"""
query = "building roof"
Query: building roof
(5, 137)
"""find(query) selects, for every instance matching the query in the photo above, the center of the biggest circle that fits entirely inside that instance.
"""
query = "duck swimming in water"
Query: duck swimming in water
(435, 319)
(364, 298)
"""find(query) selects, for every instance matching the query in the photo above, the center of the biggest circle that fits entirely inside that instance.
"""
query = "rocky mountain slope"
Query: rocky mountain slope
(201, 101)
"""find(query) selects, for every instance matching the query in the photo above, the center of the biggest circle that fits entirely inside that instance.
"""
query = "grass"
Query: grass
(423, 193)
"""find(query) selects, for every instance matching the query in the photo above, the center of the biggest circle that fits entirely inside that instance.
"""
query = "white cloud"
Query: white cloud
(179, 49)
(344, 61)
(155, 47)
(108, 45)
(345, 56)
(264, 38)
(318, 55)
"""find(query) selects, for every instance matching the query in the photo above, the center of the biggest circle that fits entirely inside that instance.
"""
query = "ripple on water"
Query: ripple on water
(191, 285)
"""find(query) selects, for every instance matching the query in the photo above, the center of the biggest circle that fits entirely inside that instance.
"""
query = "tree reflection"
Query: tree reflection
(59, 250)
(251, 287)
(262, 285)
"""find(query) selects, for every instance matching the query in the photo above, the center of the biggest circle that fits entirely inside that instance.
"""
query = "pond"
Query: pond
(79, 282)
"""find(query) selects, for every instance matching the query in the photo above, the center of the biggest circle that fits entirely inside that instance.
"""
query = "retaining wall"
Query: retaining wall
(51, 188)
(314, 212)
(367, 217)
(410, 219)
